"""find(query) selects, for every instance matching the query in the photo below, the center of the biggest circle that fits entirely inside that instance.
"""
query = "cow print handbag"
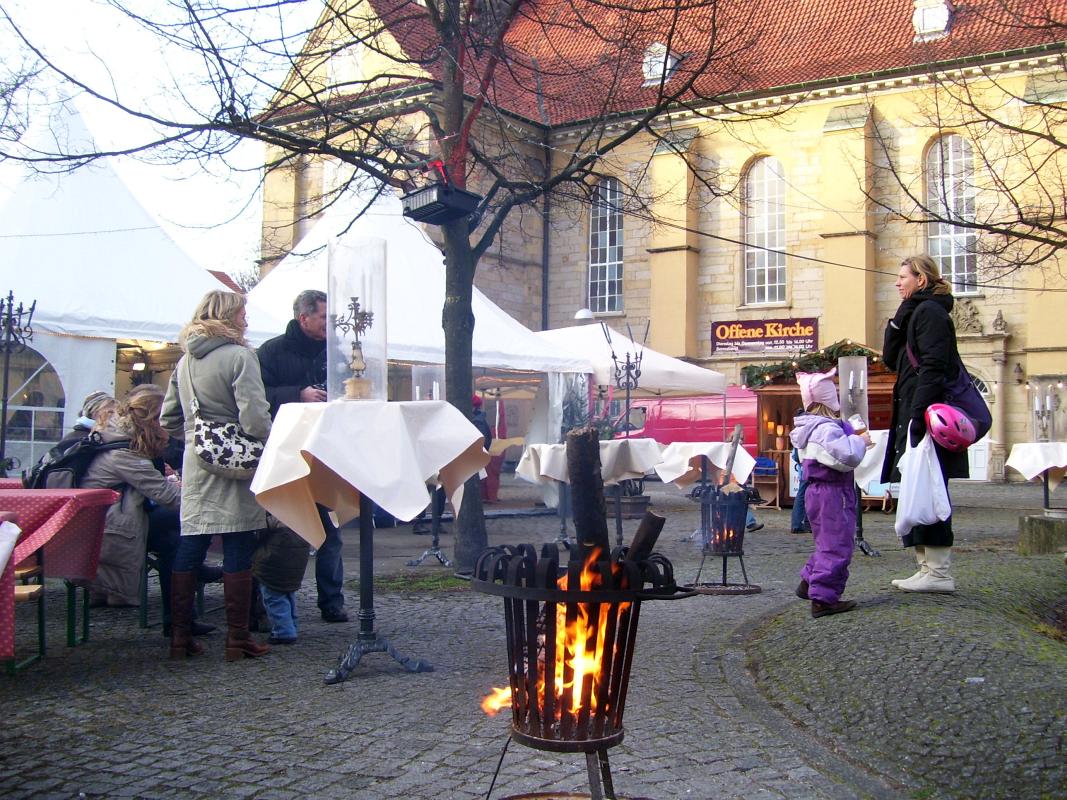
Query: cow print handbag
(224, 449)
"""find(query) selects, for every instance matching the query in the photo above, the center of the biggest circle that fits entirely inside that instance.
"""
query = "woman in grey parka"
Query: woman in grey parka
(224, 372)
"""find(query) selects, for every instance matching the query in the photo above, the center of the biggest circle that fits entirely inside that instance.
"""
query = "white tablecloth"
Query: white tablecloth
(870, 469)
(330, 452)
(1033, 458)
(681, 461)
(620, 460)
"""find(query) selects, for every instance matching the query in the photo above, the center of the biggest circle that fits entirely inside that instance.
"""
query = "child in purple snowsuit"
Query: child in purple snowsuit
(829, 451)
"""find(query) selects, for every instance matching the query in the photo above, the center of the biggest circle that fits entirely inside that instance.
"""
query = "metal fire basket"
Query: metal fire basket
(723, 516)
(551, 710)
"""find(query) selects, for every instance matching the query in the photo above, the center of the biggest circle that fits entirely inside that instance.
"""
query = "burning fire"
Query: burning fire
(496, 700)
(579, 651)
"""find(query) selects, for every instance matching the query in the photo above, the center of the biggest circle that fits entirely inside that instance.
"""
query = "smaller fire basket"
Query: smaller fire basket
(570, 640)
(723, 516)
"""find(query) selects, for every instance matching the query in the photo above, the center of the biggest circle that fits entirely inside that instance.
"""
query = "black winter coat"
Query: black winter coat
(280, 560)
(923, 322)
(290, 363)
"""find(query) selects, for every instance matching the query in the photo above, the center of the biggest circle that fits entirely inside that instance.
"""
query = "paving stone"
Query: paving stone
(730, 697)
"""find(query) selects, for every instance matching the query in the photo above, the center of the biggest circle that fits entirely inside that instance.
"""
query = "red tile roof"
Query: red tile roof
(565, 64)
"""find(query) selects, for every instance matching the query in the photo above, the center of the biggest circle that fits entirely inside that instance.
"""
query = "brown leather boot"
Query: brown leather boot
(182, 591)
(237, 589)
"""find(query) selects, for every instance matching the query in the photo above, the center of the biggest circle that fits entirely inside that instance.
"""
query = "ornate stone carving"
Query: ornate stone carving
(965, 317)
(999, 325)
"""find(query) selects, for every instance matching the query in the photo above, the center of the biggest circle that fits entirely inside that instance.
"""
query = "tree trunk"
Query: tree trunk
(457, 320)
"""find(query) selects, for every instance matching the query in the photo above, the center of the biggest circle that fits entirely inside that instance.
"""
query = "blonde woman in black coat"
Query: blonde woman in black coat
(923, 326)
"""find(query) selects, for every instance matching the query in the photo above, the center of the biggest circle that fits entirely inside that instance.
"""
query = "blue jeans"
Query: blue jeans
(750, 518)
(329, 568)
(237, 549)
(799, 520)
(281, 610)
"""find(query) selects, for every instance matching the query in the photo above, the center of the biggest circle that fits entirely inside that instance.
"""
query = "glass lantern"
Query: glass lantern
(428, 382)
(356, 362)
(852, 386)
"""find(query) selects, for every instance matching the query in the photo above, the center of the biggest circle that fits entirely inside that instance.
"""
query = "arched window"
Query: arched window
(950, 194)
(34, 408)
(605, 247)
(764, 214)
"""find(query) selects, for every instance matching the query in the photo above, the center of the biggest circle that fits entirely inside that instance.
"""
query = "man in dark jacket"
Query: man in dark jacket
(294, 371)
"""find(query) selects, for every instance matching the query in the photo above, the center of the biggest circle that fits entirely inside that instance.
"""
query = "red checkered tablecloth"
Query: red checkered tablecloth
(68, 524)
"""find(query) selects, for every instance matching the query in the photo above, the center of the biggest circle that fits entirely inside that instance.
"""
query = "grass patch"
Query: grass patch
(415, 582)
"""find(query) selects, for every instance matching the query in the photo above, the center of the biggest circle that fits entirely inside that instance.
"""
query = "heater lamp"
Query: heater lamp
(439, 203)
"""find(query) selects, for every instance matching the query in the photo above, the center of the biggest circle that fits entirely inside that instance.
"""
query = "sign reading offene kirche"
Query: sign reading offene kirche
(765, 335)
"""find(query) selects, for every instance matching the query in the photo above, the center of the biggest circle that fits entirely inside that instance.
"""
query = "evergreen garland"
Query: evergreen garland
(817, 361)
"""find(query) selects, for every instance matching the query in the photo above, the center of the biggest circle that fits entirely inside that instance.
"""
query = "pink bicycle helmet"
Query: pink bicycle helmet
(950, 427)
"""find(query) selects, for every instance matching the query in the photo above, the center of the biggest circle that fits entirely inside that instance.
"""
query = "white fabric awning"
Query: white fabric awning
(660, 374)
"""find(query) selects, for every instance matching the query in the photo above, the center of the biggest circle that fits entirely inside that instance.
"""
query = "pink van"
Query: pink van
(696, 419)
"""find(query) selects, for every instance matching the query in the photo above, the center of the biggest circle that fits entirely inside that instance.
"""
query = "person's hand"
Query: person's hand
(917, 431)
(866, 439)
(309, 394)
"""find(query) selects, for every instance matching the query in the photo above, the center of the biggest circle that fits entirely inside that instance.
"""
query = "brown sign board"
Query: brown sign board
(765, 336)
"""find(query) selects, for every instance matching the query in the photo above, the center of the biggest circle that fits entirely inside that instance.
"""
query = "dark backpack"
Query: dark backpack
(64, 468)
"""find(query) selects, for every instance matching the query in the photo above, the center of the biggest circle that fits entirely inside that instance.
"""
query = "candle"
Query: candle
(436, 390)
(1048, 402)
(851, 380)
(418, 392)
(1037, 403)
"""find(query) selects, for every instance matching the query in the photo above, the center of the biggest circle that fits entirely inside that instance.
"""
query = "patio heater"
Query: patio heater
(17, 324)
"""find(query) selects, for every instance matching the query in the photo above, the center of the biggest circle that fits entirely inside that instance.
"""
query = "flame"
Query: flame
(573, 653)
(572, 644)
(496, 700)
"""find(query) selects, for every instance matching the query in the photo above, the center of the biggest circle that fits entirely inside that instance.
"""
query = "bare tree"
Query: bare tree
(518, 100)
(1010, 187)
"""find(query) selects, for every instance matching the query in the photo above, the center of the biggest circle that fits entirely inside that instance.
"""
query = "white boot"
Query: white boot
(920, 557)
(937, 578)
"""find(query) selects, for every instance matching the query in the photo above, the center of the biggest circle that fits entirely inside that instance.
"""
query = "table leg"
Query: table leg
(618, 514)
(564, 509)
(1044, 484)
(368, 641)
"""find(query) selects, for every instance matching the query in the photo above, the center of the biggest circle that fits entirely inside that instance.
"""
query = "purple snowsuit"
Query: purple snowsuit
(829, 452)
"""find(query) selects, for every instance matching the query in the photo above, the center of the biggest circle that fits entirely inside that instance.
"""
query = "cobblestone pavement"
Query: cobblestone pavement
(731, 697)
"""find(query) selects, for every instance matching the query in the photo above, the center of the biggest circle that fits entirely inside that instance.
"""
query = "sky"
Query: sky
(213, 213)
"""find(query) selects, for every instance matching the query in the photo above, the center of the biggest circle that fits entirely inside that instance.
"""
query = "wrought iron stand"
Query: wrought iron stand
(17, 325)
(369, 641)
(435, 543)
(862, 543)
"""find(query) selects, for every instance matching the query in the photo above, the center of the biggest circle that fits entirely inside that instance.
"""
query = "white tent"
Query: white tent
(660, 374)
(98, 265)
(100, 268)
(415, 292)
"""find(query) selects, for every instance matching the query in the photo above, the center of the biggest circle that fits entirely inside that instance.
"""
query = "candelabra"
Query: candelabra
(628, 372)
(1045, 417)
(17, 324)
(358, 321)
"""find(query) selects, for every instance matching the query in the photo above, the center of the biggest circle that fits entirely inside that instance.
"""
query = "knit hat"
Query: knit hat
(93, 402)
(476, 401)
(818, 387)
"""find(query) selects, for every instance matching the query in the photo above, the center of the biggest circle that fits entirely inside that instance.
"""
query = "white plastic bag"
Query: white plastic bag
(923, 497)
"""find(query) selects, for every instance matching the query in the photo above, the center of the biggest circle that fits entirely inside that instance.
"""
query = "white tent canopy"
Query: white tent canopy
(660, 374)
(98, 265)
(100, 269)
(415, 292)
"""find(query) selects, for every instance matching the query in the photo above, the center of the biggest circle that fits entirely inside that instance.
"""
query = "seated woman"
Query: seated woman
(130, 472)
